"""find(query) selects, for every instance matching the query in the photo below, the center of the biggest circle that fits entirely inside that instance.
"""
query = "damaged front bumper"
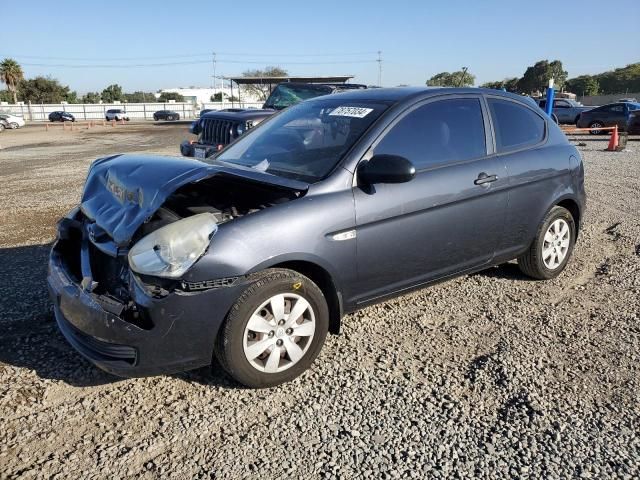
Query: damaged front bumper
(145, 334)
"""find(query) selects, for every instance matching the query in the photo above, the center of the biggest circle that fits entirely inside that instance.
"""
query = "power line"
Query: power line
(198, 62)
(192, 55)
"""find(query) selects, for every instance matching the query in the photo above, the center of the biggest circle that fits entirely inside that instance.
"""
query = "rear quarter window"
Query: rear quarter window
(515, 125)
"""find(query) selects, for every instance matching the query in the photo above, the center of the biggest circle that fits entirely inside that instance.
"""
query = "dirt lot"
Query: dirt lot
(489, 376)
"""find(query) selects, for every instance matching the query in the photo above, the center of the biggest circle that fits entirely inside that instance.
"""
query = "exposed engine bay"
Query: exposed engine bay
(226, 197)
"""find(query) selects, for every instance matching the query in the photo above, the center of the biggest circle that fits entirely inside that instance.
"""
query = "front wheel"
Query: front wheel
(14, 125)
(550, 251)
(274, 331)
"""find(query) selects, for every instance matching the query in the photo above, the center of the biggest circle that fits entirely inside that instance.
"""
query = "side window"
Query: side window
(438, 132)
(617, 108)
(515, 125)
(560, 104)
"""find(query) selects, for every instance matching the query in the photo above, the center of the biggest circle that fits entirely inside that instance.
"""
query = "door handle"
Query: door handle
(484, 178)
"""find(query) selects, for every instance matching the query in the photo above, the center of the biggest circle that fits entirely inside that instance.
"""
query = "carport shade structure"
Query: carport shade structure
(271, 81)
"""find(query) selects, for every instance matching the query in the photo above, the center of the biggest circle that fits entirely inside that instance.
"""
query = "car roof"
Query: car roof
(399, 94)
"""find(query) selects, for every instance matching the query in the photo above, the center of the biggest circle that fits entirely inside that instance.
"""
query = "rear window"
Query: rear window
(515, 125)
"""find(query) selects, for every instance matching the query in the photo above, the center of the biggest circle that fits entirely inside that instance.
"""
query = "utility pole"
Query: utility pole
(213, 86)
(464, 76)
(379, 68)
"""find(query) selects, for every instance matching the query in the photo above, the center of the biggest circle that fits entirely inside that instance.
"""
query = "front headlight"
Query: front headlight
(240, 129)
(172, 250)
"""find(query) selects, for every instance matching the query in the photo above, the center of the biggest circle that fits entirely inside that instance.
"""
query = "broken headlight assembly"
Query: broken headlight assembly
(173, 249)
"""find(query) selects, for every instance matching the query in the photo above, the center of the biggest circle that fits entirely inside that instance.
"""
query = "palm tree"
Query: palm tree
(11, 74)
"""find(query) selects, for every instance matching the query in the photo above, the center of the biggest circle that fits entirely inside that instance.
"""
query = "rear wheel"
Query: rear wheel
(13, 125)
(595, 126)
(550, 251)
(274, 331)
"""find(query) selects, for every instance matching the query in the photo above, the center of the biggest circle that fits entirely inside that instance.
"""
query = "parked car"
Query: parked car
(334, 204)
(607, 116)
(566, 110)
(60, 116)
(13, 121)
(633, 125)
(116, 114)
(166, 115)
(219, 128)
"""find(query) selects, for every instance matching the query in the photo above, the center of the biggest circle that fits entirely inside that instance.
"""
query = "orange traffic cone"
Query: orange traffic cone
(613, 141)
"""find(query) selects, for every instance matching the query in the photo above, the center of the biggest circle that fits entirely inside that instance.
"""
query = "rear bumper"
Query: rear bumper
(179, 335)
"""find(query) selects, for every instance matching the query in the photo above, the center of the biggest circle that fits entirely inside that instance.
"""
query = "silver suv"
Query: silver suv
(116, 114)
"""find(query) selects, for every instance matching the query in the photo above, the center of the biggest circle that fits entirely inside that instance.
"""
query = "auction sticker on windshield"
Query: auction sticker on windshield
(357, 112)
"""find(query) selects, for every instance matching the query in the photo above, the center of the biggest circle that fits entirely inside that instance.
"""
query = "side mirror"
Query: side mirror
(386, 169)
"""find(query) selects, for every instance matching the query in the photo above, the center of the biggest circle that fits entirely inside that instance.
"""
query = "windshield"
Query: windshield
(284, 96)
(306, 141)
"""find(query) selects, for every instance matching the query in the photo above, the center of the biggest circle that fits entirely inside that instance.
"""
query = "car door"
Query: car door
(536, 172)
(562, 109)
(449, 218)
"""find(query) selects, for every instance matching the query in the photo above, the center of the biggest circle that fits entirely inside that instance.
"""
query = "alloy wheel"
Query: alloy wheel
(279, 333)
(556, 244)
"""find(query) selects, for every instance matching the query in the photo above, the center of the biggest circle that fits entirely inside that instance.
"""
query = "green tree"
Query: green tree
(166, 96)
(44, 90)
(620, 80)
(6, 96)
(509, 84)
(262, 91)
(536, 78)
(11, 75)
(583, 85)
(139, 97)
(91, 97)
(453, 79)
(113, 93)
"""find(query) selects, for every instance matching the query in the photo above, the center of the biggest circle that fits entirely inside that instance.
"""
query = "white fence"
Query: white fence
(135, 111)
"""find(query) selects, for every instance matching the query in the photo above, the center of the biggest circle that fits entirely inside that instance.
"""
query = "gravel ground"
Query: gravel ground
(489, 376)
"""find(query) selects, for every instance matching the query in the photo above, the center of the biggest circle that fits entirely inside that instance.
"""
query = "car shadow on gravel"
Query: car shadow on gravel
(508, 271)
(29, 336)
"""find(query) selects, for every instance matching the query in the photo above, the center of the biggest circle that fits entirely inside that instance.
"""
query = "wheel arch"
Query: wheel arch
(574, 208)
(323, 279)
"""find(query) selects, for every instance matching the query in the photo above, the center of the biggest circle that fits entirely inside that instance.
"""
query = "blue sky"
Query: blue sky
(495, 39)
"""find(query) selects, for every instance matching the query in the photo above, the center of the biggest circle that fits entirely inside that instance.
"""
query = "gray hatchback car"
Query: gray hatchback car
(329, 206)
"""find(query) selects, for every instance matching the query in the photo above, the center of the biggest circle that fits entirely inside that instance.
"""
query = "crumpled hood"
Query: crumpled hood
(123, 191)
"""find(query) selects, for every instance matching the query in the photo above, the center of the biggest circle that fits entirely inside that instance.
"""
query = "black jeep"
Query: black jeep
(216, 129)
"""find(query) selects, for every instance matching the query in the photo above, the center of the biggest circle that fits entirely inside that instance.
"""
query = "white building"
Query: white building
(198, 95)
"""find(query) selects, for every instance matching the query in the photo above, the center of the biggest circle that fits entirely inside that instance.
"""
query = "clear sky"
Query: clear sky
(494, 38)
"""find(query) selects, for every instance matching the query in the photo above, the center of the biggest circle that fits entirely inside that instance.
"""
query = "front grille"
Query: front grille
(216, 131)
(111, 274)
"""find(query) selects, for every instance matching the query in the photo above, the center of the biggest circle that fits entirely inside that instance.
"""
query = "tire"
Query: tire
(14, 125)
(1, 127)
(170, 118)
(235, 338)
(596, 124)
(534, 263)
